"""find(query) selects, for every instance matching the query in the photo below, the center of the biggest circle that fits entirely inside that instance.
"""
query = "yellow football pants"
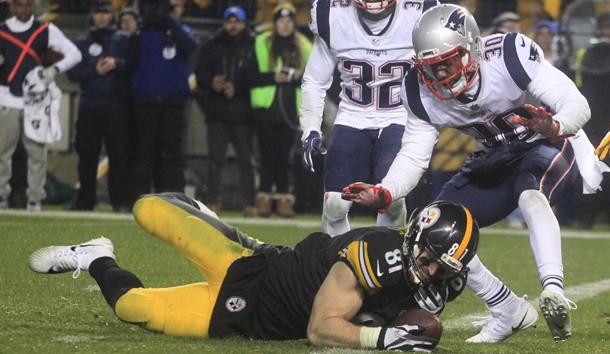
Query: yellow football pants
(182, 310)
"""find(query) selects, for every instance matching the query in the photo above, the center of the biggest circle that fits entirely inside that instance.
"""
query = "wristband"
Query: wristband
(369, 337)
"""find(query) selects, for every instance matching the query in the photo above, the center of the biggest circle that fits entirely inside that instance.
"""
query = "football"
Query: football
(433, 326)
(50, 57)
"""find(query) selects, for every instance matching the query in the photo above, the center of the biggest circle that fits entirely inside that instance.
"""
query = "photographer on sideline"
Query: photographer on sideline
(162, 84)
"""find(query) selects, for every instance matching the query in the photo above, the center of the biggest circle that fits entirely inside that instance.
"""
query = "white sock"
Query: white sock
(334, 214)
(487, 286)
(545, 238)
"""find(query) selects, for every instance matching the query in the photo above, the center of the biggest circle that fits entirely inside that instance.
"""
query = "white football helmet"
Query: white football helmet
(447, 44)
(374, 6)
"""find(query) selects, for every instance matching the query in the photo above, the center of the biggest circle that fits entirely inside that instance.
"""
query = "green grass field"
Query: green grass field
(58, 314)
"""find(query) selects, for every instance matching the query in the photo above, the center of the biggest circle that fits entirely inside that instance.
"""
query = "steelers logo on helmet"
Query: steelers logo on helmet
(429, 216)
(446, 233)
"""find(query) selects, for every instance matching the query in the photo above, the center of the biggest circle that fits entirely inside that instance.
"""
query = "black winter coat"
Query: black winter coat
(223, 55)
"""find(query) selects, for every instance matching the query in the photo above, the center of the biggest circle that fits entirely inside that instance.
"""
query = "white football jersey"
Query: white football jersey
(372, 58)
(513, 72)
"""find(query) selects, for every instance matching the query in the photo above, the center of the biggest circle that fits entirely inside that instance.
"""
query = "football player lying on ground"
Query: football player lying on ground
(501, 91)
(265, 291)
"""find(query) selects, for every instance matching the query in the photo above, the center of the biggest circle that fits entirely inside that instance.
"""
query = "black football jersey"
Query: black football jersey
(269, 295)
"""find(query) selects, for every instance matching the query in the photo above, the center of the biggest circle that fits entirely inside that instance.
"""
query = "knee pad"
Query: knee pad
(396, 215)
(532, 198)
(335, 208)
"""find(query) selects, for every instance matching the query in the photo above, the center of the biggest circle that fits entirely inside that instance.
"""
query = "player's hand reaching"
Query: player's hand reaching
(541, 122)
(368, 195)
(404, 338)
(603, 148)
(312, 145)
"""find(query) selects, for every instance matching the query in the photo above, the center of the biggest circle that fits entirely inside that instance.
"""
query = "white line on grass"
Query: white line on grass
(583, 234)
(574, 293)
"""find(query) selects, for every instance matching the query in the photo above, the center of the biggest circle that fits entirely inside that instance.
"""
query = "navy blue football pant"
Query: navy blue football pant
(360, 155)
(493, 191)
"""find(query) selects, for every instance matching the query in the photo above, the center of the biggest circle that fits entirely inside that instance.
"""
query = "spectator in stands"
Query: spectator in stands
(162, 85)
(225, 99)
(544, 34)
(23, 40)
(129, 20)
(276, 71)
(177, 10)
(103, 115)
(505, 22)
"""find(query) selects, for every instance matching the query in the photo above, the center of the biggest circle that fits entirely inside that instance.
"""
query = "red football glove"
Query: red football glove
(541, 122)
(368, 195)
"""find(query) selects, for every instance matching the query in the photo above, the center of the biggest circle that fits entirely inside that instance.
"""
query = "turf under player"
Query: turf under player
(314, 290)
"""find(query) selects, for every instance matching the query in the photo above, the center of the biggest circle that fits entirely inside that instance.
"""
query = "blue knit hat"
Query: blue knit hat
(235, 11)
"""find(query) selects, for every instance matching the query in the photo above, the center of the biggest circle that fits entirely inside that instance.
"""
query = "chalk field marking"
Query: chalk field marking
(582, 234)
(574, 293)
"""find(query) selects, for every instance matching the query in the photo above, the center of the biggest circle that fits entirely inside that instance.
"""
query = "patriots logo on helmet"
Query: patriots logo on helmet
(455, 22)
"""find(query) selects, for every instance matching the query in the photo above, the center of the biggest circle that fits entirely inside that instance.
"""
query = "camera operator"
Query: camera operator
(162, 84)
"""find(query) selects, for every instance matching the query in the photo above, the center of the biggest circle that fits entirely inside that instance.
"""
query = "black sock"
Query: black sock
(113, 280)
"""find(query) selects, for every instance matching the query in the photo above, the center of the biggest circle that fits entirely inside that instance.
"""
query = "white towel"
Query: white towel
(590, 167)
(41, 108)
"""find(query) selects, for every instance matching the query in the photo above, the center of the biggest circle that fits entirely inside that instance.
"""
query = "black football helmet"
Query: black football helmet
(450, 235)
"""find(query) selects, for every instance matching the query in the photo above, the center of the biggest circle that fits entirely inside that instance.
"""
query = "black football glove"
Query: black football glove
(313, 144)
(404, 338)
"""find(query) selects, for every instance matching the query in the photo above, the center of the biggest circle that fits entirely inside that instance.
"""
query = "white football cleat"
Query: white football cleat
(61, 259)
(503, 324)
(556, 311)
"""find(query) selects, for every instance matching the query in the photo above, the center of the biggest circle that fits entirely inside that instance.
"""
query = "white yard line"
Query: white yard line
(282, 222)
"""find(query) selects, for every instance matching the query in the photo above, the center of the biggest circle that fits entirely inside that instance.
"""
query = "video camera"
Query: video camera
(154, 11)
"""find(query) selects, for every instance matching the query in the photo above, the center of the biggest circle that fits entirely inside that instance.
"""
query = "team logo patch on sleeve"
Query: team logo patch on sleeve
(534, 55)
(235, 304)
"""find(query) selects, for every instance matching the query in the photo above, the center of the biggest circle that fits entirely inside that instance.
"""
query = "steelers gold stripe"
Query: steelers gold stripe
(467, 234)
(358, 257)
(367, 265)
